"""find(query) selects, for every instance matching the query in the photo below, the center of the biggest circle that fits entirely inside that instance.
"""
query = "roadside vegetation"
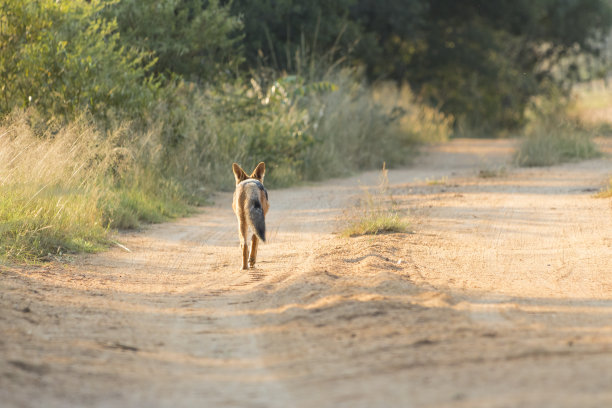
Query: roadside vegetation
(62, 190)
(592, 105)
(115, 113)
(555, 140)
(605, 192)
(376, 213)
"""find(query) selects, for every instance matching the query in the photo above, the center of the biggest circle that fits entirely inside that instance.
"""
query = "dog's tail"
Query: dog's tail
(256, 219)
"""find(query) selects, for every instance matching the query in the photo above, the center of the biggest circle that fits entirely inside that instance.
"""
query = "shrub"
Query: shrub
(64, 57)
(197, 39)
(552, 140)
(302, 130)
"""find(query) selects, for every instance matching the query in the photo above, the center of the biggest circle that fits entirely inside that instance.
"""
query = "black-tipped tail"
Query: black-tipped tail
(258, 221)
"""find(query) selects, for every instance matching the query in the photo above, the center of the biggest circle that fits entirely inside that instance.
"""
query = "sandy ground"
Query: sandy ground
(500, 297)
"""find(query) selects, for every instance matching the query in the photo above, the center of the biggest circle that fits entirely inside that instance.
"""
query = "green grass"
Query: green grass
(38, 224)
(138, 201)
(62, 193)
(552, 141)
(376, 222)
(376, 214)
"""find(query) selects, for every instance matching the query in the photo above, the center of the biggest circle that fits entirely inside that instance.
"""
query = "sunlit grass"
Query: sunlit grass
(376, 214)
(555, 140)
(442, 181)
(376, 222)
(592, 104)
(606, 192)
(63, 191)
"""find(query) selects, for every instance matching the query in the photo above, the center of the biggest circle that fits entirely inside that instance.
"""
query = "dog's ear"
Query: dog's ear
(259, 172)
(239, 173)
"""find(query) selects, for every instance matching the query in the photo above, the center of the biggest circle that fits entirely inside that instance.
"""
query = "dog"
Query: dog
(250, 204)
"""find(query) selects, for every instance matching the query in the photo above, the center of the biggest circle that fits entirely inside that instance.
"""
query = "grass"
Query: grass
(377, 213)
(65, 189)
(436, 182)
(555, 140)
(591, 104)
(374, 223)
(607, 192)
(492, 172)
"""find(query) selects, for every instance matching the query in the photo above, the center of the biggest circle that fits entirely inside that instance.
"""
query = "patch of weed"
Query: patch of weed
(377, 213)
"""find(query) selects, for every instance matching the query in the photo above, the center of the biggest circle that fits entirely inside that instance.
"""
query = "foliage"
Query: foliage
(302, 130)
(478, 62)
(197, 39)
(377, 213)
(417, 121)
(553, 140)
(357, 128)
(63, 57)
(303, 37)
(483, 61)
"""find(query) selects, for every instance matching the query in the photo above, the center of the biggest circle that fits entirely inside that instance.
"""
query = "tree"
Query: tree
(64, 57)
(196, 39)
(297, 36)
(479, 60)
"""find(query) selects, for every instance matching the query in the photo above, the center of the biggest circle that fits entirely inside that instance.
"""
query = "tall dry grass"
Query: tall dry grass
(64, 187)
(49, 191)
(555, 139)
(591, 104)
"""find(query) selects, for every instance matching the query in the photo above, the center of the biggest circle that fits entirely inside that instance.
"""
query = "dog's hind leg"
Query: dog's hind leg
(243, 230)
(253, 256)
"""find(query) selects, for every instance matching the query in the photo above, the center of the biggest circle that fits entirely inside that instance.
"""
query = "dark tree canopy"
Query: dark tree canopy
(193, 38)
(479, 60)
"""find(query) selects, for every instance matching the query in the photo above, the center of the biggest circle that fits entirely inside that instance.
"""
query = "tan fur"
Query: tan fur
(246, 193)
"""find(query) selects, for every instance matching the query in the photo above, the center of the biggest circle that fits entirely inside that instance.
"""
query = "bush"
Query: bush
(64, 57)
(302, 130)
(197, 39)
(552, 140)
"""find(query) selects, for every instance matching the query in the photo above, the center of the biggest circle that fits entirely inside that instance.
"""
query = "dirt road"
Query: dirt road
(501, 297)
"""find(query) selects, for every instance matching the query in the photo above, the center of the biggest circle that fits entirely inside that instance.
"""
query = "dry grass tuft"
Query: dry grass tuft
(376, 214)
(607, 192)
(555, 140)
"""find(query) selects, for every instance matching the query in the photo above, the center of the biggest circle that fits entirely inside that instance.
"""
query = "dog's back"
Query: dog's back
(251, 206)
